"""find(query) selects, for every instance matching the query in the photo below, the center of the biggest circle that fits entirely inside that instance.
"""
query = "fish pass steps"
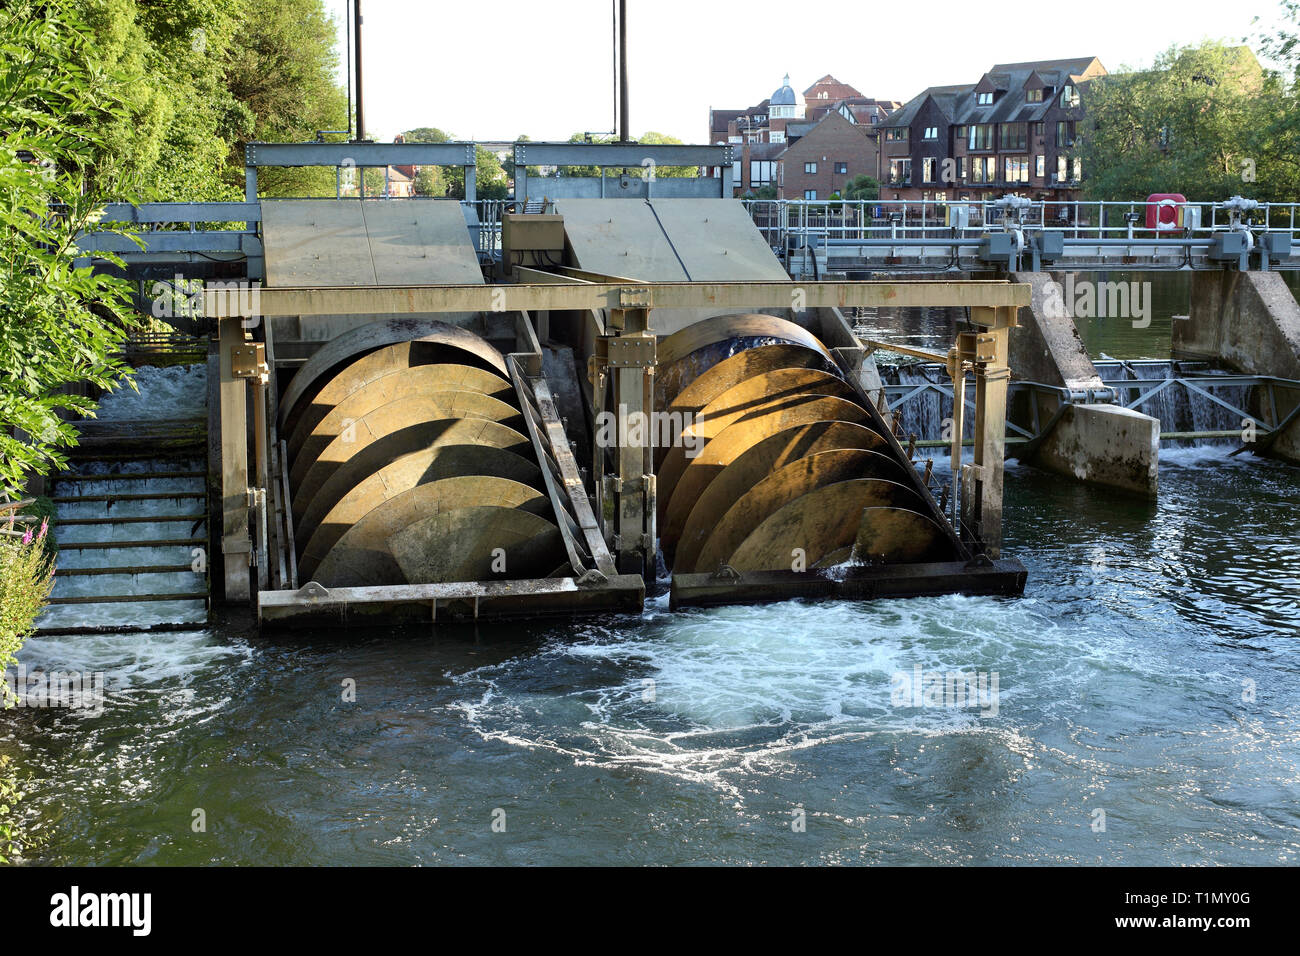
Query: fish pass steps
(127, 532)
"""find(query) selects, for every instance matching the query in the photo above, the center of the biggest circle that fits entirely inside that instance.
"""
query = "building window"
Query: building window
(927, 169)
(983, 99)
(896, 135)
(1062, 166)
(735, 174)
(841, 169)
(810, 194)
(1034, 96)
(1012, 136)
(900, 172)
(760, 172)
(810, 167)
(1069, 96)
(961, 168)
(1036, 129)
(931, 132)
(980, 136)
(984, 169)
(1065, 134)
(1040, 165)
(1078, 169)
(1017, 169)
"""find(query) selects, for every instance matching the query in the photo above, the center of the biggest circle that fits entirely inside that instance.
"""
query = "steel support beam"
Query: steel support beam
(981, 496)
(236, 543)
(400, 300)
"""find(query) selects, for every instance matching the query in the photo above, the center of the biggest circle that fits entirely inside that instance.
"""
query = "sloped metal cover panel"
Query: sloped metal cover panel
(668, 240)
(619, 237)
(717, 240)
(349, 242)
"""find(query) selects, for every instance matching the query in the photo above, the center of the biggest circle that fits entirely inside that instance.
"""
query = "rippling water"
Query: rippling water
(1125, 678)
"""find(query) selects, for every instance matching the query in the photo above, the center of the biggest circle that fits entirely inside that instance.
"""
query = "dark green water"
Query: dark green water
(1121, 682)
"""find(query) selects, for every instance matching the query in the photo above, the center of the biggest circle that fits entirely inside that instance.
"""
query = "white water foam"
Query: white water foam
(173, 392)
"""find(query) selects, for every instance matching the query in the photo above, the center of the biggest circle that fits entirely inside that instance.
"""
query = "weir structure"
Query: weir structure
(416, 423)
(1068, 414)
(431, 410)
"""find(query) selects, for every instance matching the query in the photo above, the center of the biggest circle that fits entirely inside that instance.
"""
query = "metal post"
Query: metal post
(629, 361)
(356, 33)
(982, 480)
(957, 371)
(236, 547)
(622, 72)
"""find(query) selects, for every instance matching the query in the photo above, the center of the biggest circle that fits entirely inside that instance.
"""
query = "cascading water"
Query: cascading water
(132, 532)
(925, 411)
(1178, 408)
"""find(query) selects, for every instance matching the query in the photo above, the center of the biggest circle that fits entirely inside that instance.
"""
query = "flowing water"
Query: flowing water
(1146, 711)
(1152, 672)
(170, 490)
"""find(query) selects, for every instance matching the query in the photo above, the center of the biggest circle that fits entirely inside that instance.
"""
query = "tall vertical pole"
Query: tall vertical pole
(356, 35)
(624, 135)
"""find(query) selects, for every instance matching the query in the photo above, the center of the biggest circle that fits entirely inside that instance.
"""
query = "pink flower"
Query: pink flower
(27, 537)
(45, 526)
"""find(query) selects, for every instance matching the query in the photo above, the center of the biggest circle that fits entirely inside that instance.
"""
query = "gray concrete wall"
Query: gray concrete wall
(1099, 444)
(1250, 323)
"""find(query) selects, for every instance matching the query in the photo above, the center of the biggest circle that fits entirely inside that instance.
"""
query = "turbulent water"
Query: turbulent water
(1151, 672)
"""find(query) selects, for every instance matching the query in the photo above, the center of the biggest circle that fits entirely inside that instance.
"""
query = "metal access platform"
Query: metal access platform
(1015, 234)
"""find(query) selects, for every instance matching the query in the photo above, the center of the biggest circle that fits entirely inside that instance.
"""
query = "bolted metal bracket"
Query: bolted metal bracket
(631, 351)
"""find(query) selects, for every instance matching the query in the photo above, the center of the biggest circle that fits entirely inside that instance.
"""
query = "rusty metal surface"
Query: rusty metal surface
(476, 543)
(329, 517)
(346, 348)
(1001, 577)
(415, 390)
(352, 395)
(735, 326)
(388, 420)
(737, 402)
(747, 432)
(779, 488)
(755, 464)
(428, 604)
(705, 386)
(897, 536)
(362, 556)
(819, 523)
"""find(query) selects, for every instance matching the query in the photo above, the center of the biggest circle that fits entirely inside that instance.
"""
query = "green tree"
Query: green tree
(280, 71)
(862, 187)
(490, 181)
(61, 323)
(1203, 121)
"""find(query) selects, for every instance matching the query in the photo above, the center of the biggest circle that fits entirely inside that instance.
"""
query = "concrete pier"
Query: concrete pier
(1099, 444)
(1248, 322)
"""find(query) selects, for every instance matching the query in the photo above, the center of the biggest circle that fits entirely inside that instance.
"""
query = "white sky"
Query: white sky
(497, 68)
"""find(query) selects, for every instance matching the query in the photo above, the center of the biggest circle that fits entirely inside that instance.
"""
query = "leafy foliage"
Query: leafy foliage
(490, 180)
(862, 187)
(1204, 121)
(26, 579)
(60, 322)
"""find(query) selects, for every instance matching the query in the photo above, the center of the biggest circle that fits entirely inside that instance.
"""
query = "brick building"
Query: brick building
(841, 122)
(1013, 131)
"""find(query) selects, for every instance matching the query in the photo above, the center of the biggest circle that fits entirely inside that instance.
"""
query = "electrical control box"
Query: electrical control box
(541, 232)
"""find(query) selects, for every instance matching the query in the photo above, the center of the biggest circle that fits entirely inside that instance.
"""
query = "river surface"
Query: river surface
(1147, 712)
